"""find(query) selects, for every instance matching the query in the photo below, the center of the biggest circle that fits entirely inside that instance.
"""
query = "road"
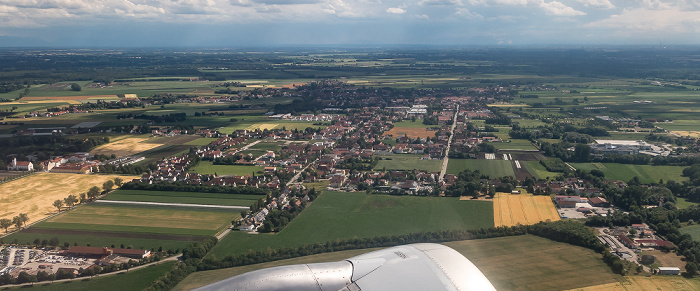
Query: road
(291, 181)
(173, 204)
(449, 143)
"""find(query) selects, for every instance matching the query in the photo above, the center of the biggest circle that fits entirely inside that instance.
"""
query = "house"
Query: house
(598, 202)
(627, 241)
(20, 166)
(640, 226)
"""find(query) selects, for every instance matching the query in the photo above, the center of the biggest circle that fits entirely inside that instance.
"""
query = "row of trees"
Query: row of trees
(18, 221)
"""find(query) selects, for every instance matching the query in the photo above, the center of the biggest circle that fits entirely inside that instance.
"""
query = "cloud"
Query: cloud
(559, 9)
(498, 2)
(598, 3)
(440, 3)
(636, 20)
(395, 10)
(464, 12)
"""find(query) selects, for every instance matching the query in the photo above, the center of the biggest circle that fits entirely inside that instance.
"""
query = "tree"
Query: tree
(118, 181)
(58, 204)
(83, 197)
(107, 186)
(20, 220)
(5, 223)
(70, 200)
(75, 87)
(93, 192)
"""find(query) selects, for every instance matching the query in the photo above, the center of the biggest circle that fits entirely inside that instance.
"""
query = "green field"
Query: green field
(267, 146)
(683, 204)
(208, 168)
(142, 219)
(491, 168)
(132, 280)
(693, 230)
(625, 172)
(183, 197)
(97, 239)
(538, 171)
(201, 141)
(409, 162)
(340, 215)
(511, 263)
(514, 144)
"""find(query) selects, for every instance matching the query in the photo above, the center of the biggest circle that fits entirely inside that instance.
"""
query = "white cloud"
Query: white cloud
(440, 3)
(655, 4)
(640, 20)
(498, 2)
(559, 9)
(464, 12)
(395, 10)
(606, 4)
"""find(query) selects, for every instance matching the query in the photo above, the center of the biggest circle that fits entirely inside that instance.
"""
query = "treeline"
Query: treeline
(172, 117)
(9, 87)
(132, 169)
(192, 256)
(44, 147)
(183, 187)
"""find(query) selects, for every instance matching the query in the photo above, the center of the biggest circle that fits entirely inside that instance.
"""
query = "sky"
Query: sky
(253, 23)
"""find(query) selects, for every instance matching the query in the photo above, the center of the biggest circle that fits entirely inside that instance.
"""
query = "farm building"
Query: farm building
(668, 271)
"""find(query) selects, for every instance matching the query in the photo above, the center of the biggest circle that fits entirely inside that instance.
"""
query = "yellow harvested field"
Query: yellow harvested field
(125, 147)
(638, 283)
(693, 134)
(263, 126)
(35, 194)
(525, 209)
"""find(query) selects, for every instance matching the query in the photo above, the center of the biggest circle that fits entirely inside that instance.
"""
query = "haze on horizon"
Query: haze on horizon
(245, 23)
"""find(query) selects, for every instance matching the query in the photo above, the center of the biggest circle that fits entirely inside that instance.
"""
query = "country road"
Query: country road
(449, 143)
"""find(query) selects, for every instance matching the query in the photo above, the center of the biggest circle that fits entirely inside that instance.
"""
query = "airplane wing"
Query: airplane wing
(407, 267)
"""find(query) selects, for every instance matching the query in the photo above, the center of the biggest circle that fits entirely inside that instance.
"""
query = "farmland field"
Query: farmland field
(141, 219)
(491, 168)
(409, 162)
(35, 194)
(625, 172)
(693, 230)
(408, 123)
(183, 197)
(125, 147)
(525, 209)
(514, 144)
(640, 283)
(511, 263)
(412, 132)
(207, 167)
(538, 170)
(340, 215)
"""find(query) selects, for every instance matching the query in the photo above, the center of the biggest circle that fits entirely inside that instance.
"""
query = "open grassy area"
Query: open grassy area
(538, 171)
(491, 168)
(141, 219)
(693, 230)
(99, 239)
(510, 263)
(625, 172)
(183, 197)
(35, 194)
(341, 215)
(411, 132)
(132, 280)
(207, 167)
(683, 204)
(201, 141)
(267, 146)
(409, 162)
(514, 144)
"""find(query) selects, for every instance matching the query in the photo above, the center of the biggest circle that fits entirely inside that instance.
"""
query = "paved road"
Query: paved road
(449, 143)
(291, 181)
(173, 204)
